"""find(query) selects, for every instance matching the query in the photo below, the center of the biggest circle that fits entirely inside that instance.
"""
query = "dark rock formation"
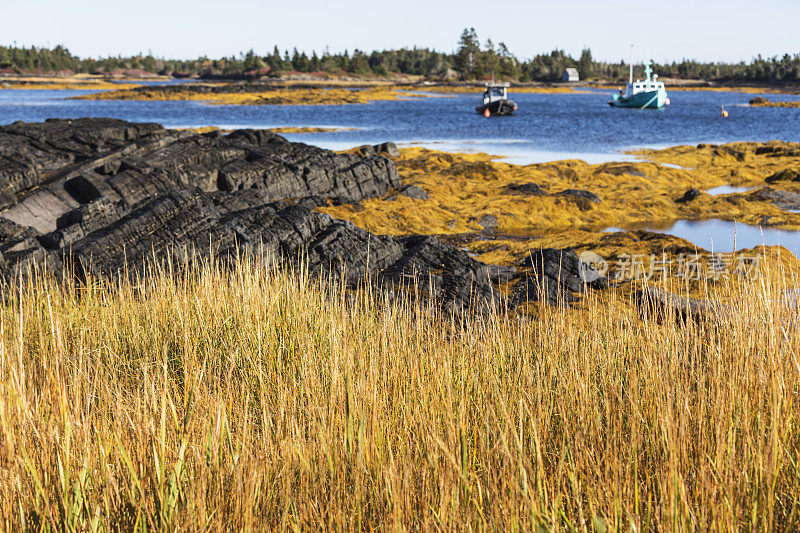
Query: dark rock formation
(779, 149)
(388, 149)
(94, 197)
(726, 150)
(585, 200)
(49, 169)
(759, 100)
(787, 174)
(488, 221)
(781, 199)
(555, 276)
(410, 191)
(530, 188)
(580, 194)
(688, 196)
(96, 186)
(620, 169)
(660, 304)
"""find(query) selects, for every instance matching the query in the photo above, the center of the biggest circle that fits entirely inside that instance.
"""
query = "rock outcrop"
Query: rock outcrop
(94, 197)
(689, 195)
(555, 276)
(781, 199)
(787, 174)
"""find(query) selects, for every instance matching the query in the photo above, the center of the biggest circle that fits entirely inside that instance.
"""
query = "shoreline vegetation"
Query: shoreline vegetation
(243, 398)
(471, 60)
(327, 80)
(340, 92)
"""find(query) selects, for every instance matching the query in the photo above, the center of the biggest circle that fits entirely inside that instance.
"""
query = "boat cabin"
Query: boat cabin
(646, 85)
(649, 84)
(495, 92)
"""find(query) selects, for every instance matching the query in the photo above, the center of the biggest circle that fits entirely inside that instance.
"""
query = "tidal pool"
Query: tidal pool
(727, 236)
(728, 189)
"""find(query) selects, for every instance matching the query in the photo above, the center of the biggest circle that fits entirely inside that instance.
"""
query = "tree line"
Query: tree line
(471, 61)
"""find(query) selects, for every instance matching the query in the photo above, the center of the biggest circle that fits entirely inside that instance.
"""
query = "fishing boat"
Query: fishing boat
(495, 101)
(643, 94)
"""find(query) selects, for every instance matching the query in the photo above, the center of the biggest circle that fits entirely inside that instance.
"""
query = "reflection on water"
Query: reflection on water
(728, 189)
(720, 235)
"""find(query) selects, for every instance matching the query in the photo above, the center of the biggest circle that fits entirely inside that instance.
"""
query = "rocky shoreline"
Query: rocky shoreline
(99, 197)
(103, 196)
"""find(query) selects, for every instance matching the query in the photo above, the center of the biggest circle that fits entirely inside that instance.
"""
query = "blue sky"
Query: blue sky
(729, 30)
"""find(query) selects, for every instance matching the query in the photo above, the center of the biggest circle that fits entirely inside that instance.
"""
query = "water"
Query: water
(547, 127)
(729, 189)
(718, 235)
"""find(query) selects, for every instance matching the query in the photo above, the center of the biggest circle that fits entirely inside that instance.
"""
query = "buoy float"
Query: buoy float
(724, 113)
(667, 102)
(486, 113)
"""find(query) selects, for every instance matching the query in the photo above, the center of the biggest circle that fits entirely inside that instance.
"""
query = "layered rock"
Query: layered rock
(94, 197)
(99, 196)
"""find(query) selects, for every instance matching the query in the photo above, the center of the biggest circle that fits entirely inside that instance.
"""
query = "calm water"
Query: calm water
(547, 127)
(729, 189)
(721, 235)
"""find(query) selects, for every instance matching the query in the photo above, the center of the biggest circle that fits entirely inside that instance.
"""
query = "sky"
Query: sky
(707, 30)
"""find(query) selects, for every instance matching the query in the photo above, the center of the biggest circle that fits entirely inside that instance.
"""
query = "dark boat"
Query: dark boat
(495, 101)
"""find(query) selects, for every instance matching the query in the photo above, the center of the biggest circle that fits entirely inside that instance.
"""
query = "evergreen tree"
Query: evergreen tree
(586, 63)
(467, 54)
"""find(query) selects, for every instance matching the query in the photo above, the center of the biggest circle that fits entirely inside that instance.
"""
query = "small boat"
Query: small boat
(495, 101)
(644, 94)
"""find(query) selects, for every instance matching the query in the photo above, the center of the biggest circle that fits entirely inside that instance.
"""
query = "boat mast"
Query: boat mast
(630, 77)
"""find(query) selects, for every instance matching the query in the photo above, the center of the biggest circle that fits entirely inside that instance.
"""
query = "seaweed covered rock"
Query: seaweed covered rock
(781, 199)
(787, 174)
(410, 191)
(580, 195)
(530, 188)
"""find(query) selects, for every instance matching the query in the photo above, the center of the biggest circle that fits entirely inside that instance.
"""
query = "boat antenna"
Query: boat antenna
(630, 76)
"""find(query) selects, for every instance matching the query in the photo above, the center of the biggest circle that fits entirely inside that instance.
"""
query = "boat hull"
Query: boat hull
(498, 107)
(642, 100)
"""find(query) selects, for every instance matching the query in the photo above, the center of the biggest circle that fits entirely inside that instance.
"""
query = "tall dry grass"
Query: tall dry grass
(228, 399)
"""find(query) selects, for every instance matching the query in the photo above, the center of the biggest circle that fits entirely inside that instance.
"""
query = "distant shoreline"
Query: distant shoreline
(104, 82)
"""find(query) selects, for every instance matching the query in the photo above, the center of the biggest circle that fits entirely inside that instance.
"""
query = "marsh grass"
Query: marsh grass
(244, 398)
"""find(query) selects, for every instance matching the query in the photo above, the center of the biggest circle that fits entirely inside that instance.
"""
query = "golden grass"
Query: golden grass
(244, 399)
